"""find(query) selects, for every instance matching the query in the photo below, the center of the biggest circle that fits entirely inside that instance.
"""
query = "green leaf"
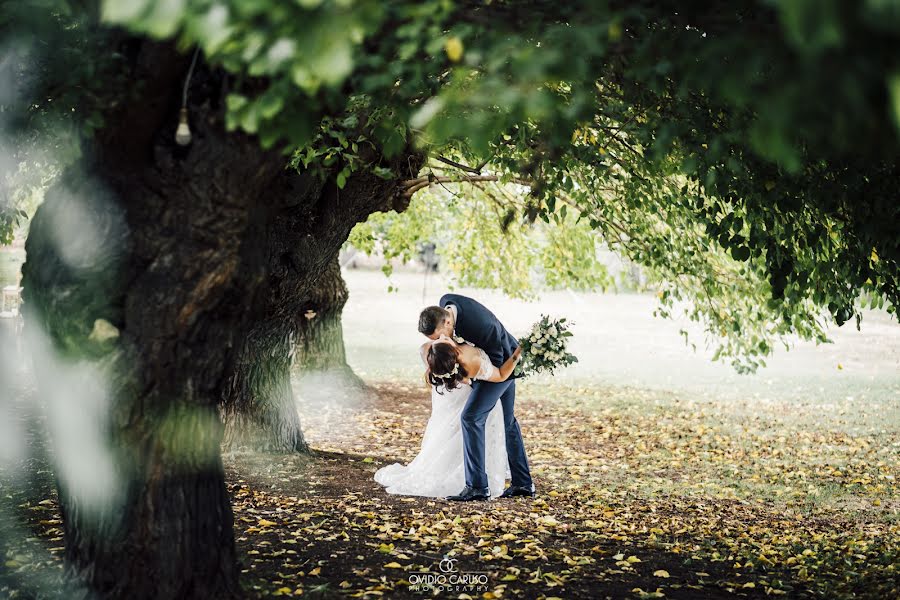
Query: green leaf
(741, 253)
(123, 11)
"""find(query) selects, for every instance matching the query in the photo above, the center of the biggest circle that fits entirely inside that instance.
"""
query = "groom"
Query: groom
(459, 316)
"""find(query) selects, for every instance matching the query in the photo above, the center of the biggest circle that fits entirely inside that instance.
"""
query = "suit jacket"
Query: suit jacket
(476, 324)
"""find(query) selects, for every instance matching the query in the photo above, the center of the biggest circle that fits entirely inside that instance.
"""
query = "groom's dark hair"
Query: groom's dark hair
(430, 318)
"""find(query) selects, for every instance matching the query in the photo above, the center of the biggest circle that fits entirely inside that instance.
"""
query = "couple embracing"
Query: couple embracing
(472, 442)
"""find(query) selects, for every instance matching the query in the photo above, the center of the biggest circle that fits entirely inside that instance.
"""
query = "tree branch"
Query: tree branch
(411, 186)
(460, 166)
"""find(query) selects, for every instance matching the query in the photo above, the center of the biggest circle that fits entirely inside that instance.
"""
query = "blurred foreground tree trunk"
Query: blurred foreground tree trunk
(154, 272)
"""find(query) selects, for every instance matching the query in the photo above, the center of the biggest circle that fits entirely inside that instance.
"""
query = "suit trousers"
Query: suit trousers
(481, 402)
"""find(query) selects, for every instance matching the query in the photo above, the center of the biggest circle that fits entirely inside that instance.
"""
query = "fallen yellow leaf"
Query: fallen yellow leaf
(454, 48)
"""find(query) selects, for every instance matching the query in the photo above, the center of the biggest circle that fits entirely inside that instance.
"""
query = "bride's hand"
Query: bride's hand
(517, 353)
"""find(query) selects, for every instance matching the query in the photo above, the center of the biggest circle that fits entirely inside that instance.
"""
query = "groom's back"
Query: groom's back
(478, 325)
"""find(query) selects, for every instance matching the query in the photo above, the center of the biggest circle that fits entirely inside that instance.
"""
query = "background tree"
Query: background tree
(259, 405)
(763, 175)
(479, 242)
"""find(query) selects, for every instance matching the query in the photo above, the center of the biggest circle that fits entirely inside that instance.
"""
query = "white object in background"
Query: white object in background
(10, 300)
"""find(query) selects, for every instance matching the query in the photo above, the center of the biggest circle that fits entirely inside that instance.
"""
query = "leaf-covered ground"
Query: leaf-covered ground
(641, 495)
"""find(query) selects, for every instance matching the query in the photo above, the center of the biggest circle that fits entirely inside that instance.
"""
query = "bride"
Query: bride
(438, 469)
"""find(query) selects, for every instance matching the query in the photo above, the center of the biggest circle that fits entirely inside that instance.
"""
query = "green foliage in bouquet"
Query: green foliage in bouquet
(545, 348)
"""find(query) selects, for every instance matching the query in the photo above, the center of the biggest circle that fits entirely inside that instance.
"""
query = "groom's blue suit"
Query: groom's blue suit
(478, 325)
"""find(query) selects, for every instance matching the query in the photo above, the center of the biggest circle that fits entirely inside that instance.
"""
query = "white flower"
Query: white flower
(546, 347)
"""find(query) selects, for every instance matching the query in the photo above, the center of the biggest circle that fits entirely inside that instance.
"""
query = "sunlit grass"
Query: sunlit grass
(805, 456)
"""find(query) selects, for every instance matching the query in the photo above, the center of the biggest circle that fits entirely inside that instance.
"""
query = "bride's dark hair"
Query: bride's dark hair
(443, 359)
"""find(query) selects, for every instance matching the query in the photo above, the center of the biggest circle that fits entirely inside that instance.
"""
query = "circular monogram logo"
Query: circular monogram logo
(448, 565)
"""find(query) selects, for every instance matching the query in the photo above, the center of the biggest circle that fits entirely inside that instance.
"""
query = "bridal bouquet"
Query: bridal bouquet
(545, 347)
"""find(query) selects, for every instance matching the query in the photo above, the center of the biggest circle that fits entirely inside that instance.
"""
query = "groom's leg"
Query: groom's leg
(515, 447)
(481, 401)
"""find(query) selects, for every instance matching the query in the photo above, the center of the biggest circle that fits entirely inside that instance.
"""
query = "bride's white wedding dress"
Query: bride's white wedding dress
(438, 469)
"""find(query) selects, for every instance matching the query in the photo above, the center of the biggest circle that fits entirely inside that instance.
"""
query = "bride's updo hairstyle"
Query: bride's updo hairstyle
(444, 368)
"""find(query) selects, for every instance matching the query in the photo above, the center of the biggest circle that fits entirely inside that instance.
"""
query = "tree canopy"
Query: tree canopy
(746, 153)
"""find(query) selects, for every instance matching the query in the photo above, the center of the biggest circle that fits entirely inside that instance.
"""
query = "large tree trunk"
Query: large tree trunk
(320, 339)
(322, 376)
(148, 267)
(259, 406)
(143, 266)
(158, 309)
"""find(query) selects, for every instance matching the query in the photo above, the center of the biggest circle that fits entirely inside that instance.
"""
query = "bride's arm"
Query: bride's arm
(506, 369)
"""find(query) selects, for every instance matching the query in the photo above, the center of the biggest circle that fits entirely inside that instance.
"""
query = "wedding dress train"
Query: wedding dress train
(438, 470)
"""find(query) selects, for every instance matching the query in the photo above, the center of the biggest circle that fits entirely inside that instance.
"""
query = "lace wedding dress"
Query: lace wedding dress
(438, 469)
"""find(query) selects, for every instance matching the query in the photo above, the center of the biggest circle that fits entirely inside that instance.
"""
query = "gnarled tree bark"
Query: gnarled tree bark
(320, 341)
(259, 407)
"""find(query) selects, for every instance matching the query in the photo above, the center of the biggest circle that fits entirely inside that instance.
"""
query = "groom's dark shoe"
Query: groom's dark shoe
(469, 493)
(518, 490)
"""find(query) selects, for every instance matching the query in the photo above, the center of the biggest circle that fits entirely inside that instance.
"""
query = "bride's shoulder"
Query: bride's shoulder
(466, 355)
(475, 357)
(481, 354)
(471, 349)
